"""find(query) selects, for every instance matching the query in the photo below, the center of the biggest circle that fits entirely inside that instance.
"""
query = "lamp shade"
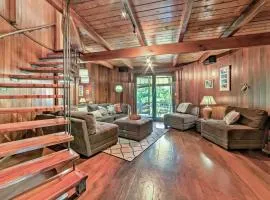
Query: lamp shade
(208, 100)
(82, 100)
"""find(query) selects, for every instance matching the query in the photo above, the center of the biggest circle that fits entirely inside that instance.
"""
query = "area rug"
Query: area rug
(130, 149)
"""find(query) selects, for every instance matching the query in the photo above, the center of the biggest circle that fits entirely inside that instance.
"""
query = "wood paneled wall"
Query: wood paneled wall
(102, 83)
(248, 65)
(19, 50)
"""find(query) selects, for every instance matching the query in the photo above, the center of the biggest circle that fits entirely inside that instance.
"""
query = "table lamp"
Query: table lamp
(207, 111)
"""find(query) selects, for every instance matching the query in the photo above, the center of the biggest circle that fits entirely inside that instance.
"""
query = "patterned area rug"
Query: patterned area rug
(130, 149)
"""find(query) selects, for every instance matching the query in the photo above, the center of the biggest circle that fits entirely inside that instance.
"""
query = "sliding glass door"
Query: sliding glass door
(154, 95)
(144, 96)
(163, 97)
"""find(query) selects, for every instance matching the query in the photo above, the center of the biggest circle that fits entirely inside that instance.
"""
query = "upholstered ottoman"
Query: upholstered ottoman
(134, 129)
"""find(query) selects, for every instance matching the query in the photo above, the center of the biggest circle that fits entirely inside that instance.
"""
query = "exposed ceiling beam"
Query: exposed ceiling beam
(183, 25)
(247, 15)
(183, 47)
(134, 19)
(204, 56)
(85, 27)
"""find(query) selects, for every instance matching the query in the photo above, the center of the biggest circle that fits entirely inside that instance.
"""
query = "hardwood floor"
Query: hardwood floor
(182, 166)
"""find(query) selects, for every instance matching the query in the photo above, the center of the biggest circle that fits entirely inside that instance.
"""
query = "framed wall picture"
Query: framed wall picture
(209, 84)
(225, 78)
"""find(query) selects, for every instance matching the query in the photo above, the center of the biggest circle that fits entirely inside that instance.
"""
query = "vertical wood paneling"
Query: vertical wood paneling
(18, 51)
(249, 65)
(103, 81)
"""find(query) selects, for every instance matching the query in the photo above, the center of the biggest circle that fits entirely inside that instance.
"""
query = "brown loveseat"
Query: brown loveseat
(90, 137)
(247, 133)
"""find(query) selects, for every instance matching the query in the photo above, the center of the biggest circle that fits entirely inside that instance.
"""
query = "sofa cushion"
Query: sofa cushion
(103, 132)
(97, 114)
(225, 132)
(183, 107)
(92, 107)
(111, 109)
(82, 108)
(107, 118)
(182, 118)
(119, 115)
(250, 117)
(89, 120)
(232, 117)
(103, 110)
(124, 108)
(117, 108)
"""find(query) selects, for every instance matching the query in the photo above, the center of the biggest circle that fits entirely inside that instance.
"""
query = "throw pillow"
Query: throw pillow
(118, 108)
(111, 109)
(97, 114)
(82, 109)
(232, 117)
(103, 110)
(183, 107)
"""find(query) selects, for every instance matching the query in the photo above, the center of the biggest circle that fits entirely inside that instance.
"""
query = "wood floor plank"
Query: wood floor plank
(25, 145)
(31, 168)
(180, 165)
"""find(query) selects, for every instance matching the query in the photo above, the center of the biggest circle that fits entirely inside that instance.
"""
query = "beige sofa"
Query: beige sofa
(246, 133)
(90, 137)
(182, 121)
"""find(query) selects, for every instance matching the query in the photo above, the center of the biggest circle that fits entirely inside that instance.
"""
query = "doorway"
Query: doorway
(154, 95)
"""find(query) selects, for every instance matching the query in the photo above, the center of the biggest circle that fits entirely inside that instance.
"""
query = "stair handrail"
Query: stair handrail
(26, 30)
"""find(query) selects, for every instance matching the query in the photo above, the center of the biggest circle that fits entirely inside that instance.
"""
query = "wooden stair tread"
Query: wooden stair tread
(30, 109)
(34, 77)
(55, 188)
(19, 126)
(31, 168)
(21, 146)
(29, 85)
(47, 63)
(31, 96)
(43, 69)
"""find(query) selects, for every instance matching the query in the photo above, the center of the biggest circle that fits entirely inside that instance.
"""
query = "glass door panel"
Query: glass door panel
(144, 96)
(164, 101)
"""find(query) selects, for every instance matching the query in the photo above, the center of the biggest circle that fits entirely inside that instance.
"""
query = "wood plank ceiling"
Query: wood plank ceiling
(159, 22)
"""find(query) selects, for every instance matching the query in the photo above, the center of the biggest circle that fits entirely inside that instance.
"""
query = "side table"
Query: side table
(199, 124)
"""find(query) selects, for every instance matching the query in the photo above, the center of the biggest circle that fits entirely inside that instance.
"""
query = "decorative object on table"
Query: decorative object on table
(118, 88)
(84, 76)
(80, 90)
(209, 84)
(266, 139)
(127, 149)
(225, 78)
(134, 117)
(245, 87)
(207, 111)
